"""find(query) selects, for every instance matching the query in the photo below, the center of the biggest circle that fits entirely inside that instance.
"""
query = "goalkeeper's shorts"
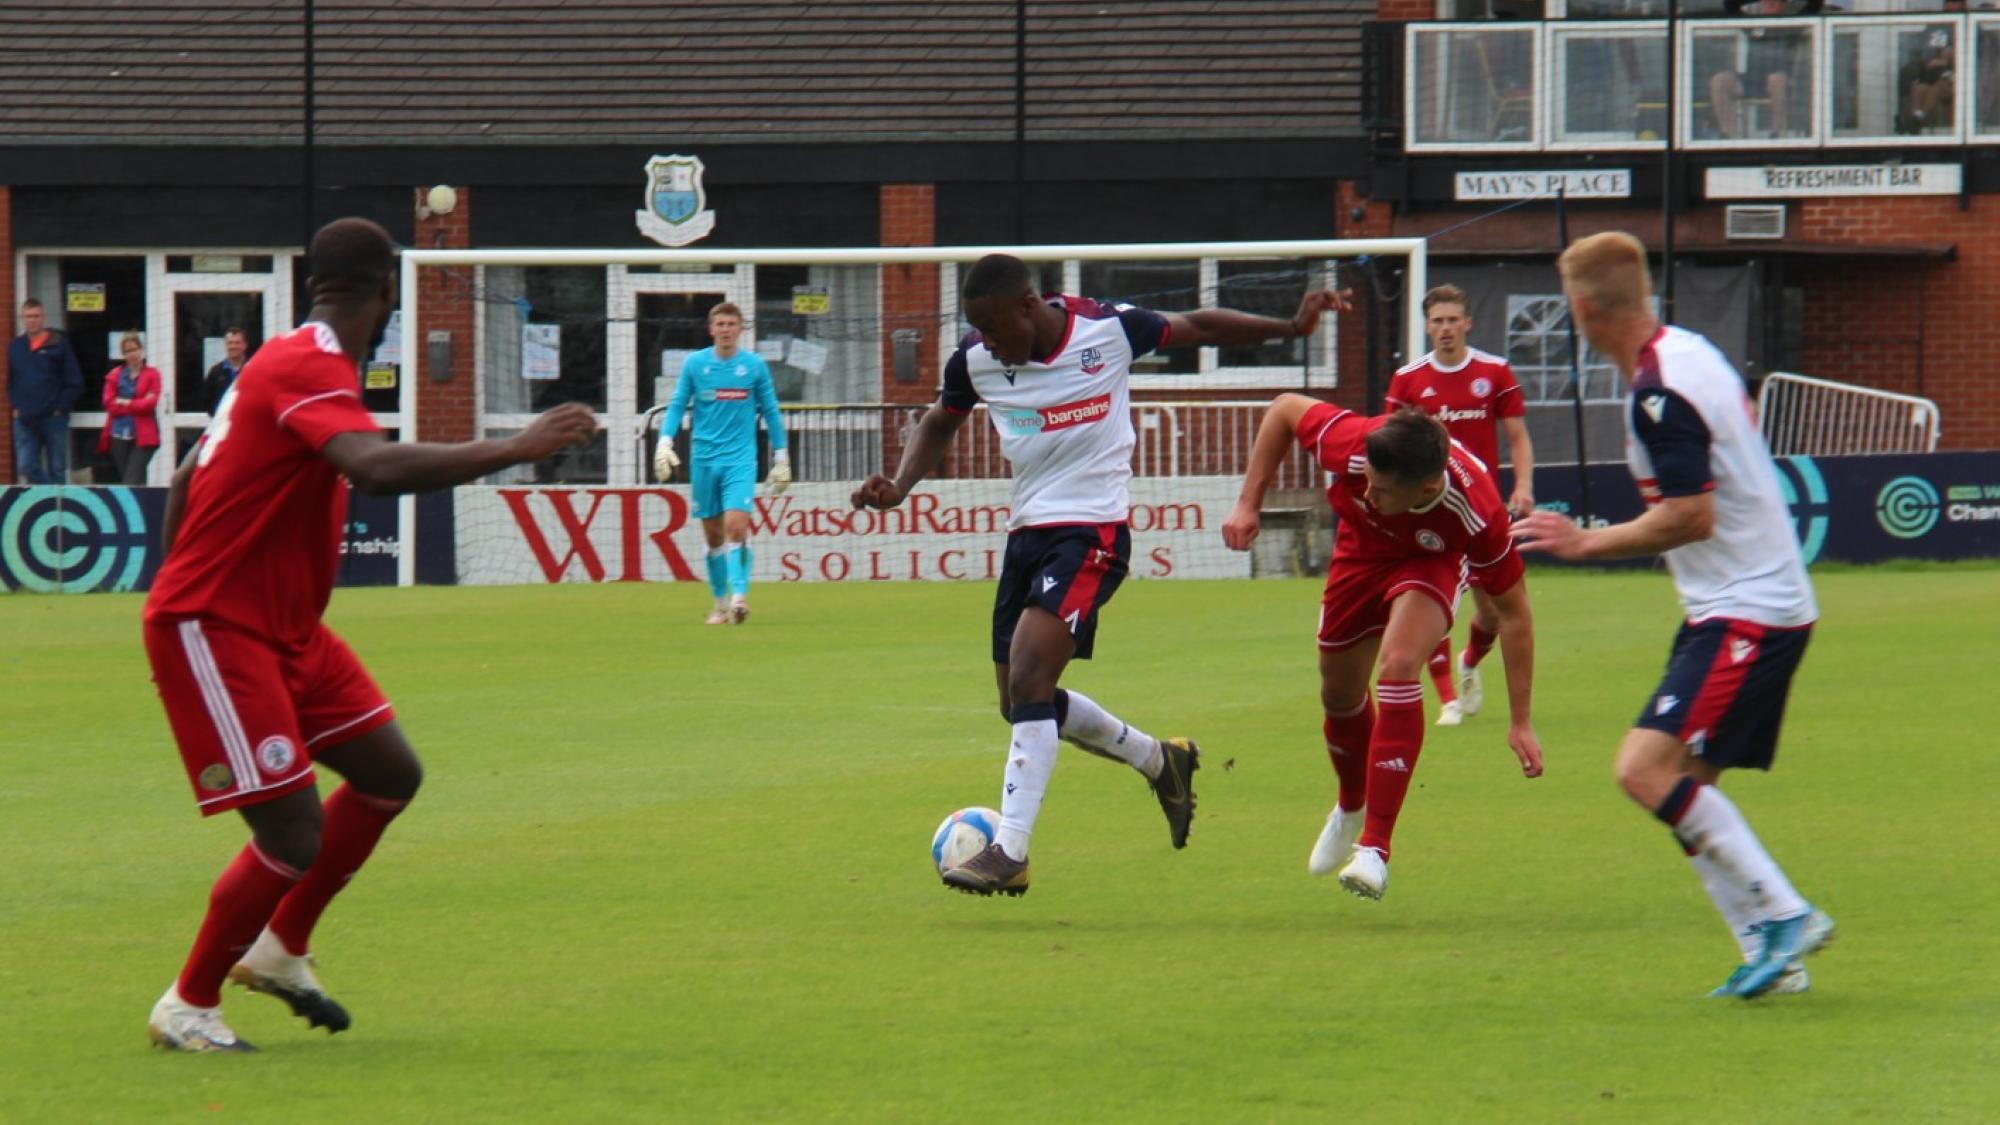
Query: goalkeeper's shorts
(725, 487)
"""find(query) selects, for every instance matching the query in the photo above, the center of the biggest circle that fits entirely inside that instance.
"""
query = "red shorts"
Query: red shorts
(1358, 594)
(247, 714)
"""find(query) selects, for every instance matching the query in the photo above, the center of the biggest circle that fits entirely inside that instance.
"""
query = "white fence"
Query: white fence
(1806, 417)
(848, 442)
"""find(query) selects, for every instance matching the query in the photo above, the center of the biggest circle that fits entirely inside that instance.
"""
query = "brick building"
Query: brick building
(171, 188)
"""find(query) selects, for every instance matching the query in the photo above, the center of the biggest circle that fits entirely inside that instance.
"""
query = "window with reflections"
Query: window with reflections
(1610, 83)
(1751, 82)
(1986, 77)
(1473, 86)
(1894, 79)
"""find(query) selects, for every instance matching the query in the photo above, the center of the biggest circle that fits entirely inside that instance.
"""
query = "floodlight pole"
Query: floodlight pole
(1020, 122)
(1575, 373)
(306, 153)
(1667, 177)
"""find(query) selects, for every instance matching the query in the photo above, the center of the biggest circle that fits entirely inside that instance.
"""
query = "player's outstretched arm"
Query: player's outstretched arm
(1517, 652)
(1274, 436)
(1228, 327)
(1673, 522)
(927, 447)
(380, 467)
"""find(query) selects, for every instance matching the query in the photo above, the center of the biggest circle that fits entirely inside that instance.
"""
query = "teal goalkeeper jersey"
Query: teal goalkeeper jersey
(727, 396)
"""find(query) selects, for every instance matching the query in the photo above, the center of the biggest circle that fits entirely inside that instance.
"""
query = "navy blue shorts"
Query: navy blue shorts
(1071, 570)
(1725, 688)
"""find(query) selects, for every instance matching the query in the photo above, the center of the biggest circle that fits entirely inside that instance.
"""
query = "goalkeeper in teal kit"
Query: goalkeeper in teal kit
(727, 388)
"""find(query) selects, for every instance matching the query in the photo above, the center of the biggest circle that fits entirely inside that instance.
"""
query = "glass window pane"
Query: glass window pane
(1474, 86)
(1613, 84)
(1986, 67)
(569, 298)
(823, 325)
(1751, 81)
(1267, 288)
(1165, 286)
(1894, 79)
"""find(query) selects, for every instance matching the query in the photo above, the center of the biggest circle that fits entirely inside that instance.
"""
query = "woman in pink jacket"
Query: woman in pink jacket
(131, 401)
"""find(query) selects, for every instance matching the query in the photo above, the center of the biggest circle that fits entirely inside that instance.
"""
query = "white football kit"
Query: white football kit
(1065, 420)
(1690, 429)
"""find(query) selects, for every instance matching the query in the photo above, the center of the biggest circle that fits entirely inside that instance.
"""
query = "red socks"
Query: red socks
(1442, 673)
(1347, 738)
(238, 907)
(1392, 758)
(1479, 644)
(354, 822)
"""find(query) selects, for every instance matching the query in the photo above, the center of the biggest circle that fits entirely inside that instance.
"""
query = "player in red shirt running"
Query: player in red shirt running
(255, 687)
(1415, 514)
(1473, 394)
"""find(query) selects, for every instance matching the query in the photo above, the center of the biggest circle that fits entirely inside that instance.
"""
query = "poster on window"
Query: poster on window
(541, 351)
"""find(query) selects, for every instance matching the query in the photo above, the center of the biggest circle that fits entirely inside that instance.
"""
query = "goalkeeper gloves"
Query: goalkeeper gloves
(665, 460)
(781, 472)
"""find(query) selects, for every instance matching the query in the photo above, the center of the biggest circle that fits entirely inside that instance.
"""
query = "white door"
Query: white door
(656, 319)
(187, 314)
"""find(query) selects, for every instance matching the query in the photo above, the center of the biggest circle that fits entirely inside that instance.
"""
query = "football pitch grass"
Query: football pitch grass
(663, 871)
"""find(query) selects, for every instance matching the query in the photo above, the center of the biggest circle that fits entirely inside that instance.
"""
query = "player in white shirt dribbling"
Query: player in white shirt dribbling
(1054, 373)
(1716, 510)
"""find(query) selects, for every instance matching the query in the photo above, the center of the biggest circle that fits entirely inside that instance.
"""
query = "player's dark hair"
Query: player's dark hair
(1411, 446)
(351, 257)
(996, 275)
(30, 303)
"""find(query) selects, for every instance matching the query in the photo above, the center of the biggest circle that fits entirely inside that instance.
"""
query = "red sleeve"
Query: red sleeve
(320, 400)
(148, 395)
(1508, 401)
(111, 391)
(1399, 390)
(1329, 433)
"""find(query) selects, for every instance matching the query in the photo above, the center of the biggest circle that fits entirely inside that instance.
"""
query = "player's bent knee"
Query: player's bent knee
(1399, 665)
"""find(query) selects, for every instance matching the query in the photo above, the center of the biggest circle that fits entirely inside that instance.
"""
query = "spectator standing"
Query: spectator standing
(43, 382)
(131, 411)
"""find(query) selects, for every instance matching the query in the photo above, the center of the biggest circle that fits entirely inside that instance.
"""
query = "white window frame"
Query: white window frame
(1538, 66)
(1557, 79)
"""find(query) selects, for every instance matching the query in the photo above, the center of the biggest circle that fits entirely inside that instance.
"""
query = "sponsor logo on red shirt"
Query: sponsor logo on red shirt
(1448, 415)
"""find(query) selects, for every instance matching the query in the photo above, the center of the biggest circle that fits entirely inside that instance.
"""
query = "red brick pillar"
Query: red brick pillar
(1376, 221)
(910, 303)
(910, 292)
(446, 407)
(9, 303)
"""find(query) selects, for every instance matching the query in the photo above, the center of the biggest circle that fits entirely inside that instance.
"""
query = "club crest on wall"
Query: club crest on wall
(676, 203)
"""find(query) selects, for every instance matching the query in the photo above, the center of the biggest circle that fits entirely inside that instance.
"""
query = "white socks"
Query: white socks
(1031, 758)
(1099, 731)
(1736, 906)
(1717, 832)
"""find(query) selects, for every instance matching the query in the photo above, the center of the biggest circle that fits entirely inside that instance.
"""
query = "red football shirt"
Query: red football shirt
(1470, 399)
(260, 538)
(1467, 519)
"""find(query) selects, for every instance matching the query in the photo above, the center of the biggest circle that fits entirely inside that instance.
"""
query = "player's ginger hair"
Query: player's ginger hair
(1609, 271)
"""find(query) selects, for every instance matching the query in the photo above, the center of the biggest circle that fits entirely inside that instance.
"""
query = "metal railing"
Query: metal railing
(847, 442)
(1807, 417)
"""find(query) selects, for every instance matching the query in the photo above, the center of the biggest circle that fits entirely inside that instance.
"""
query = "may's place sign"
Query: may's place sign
(1600, 183)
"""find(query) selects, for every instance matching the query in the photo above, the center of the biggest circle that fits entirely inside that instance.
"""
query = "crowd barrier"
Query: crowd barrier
(77, 538)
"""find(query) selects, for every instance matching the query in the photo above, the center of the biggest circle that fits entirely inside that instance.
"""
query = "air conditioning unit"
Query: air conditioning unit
(1755, 221)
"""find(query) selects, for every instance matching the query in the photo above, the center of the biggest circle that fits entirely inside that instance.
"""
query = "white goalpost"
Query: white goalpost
(839, 327)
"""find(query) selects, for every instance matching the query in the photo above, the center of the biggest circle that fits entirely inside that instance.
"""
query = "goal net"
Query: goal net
(855, 340)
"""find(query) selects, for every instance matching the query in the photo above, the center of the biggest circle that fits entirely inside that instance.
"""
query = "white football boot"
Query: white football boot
(179, 1026)
(1335, 841)
(272, 970)
(1451, 714)
(1367, 874)
(739, 609)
